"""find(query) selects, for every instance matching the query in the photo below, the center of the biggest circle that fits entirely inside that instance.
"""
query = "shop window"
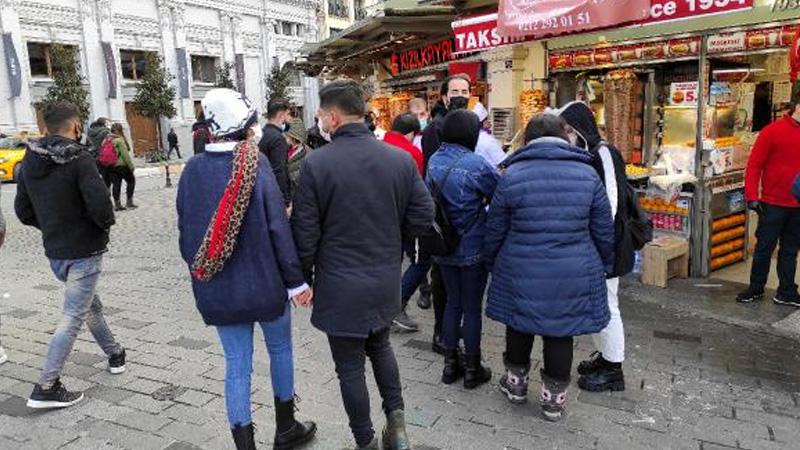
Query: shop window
(338, 8)
(278, 27)
(287, 28)
(300, 30)
(133, 64)
(204, 69)
(40, 59)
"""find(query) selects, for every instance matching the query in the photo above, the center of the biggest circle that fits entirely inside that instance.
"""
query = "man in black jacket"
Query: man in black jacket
(60, 192)
(356, 199)
(274, 144)
(172, 140)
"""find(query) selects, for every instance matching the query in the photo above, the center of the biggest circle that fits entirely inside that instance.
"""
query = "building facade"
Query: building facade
(112, 38)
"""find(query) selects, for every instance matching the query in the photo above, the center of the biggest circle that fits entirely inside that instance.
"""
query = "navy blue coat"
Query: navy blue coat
(550, 240)
(252, 287)
(469, 186)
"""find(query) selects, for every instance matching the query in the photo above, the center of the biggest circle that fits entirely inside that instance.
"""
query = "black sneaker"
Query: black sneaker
(56, 397)
(605, 378)
(750, 295)
(116, 363)
(405, 323)
(437, 345)
(787, 299)
(424, 300)
(591, 365)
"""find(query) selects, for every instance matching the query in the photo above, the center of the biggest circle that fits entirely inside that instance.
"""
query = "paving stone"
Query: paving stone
(16, 407)
(190, 344)
(108, 394)
(19, 313)
(182, 446)
(142, 421)
(131, 324)
(195, 398)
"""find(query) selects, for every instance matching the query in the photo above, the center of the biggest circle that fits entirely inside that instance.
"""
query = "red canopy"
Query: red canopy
(540, 18)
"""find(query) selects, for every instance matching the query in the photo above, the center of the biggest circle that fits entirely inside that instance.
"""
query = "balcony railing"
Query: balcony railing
(338, 8)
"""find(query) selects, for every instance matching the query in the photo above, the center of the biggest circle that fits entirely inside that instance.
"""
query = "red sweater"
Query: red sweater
(398, 140)
(774, 163)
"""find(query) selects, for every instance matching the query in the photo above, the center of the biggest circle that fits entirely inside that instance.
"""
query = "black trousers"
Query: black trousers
(349, 357)
(176, 149)
(557, 353)
(439, 296)
(120, 174)
(777, 224)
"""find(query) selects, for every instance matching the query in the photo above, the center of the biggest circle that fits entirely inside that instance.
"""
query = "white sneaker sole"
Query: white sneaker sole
(48, 404)
(404, 327)
(3, 358)
(515, 399)
(778, 301)
(552, 417)
(116, 370)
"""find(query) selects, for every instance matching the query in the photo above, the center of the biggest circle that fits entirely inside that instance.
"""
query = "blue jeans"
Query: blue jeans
(237, 343)
(415, 274)
(462, 316)
(81, 304)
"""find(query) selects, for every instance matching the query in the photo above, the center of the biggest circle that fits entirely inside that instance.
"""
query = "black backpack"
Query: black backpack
(442, 239)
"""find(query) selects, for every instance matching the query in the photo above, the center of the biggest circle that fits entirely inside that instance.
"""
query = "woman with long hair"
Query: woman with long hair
(123, 171)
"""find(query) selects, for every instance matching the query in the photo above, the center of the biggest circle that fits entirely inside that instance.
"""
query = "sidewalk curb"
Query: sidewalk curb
(760, 317)
(153, 170)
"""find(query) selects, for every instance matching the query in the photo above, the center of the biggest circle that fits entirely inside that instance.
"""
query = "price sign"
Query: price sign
(683, 94)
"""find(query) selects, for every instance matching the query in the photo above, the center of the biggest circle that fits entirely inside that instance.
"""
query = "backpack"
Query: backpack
(107, 156)
(442, 239)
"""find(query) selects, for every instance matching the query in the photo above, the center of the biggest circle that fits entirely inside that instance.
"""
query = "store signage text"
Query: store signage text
(540, 18)
(481, 33)
(418, 58)
(785, 5)
(683, 94)
(727, 42)
(663, 10)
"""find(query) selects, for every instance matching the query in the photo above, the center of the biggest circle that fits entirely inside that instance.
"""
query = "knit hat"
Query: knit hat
(228, 114)
(297, 131)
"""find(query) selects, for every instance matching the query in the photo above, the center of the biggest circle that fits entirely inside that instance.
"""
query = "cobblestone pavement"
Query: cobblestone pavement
(693, 383)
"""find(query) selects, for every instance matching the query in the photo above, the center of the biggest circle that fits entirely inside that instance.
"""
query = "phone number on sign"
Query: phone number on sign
(556, 23)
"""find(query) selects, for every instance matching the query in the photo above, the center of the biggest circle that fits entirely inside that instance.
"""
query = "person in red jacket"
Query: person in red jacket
(774, 163)
(404, 129)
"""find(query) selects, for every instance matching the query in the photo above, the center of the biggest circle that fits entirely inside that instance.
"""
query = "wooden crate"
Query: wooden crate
(665, 258)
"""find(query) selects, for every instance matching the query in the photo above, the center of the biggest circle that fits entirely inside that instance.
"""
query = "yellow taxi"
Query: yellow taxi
(12, 150)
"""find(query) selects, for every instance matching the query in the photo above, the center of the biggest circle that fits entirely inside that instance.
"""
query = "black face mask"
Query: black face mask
(285, 127)
(458, 103)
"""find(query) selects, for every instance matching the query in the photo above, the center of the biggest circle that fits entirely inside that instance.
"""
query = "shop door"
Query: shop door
(143, 131)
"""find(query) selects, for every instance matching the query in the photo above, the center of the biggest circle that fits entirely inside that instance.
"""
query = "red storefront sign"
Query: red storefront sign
(419, 58)
(540, 18)
(663, 10)
(481, 33)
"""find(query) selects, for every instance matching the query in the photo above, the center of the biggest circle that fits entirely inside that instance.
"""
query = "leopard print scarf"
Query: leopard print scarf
(223, 231)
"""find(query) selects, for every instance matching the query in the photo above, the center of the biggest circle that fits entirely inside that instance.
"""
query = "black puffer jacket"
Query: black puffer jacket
(61, 193)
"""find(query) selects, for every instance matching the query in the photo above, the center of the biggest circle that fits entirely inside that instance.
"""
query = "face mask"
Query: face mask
(458, 103)
(285, 127)
(423, 123)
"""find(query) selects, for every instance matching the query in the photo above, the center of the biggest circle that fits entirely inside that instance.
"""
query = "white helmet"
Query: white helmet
(228, 113)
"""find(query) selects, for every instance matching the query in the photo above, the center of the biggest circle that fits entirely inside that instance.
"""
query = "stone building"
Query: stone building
(113, 36)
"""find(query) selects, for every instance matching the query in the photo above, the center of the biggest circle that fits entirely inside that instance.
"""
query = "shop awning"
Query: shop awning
(542, 18)
(365, 41)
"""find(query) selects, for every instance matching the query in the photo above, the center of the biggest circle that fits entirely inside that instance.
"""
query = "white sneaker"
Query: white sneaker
(3, 356)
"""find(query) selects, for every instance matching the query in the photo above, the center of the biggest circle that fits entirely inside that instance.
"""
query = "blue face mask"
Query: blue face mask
(423, 123)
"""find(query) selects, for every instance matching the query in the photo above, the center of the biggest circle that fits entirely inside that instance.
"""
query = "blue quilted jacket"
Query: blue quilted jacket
(550, 242)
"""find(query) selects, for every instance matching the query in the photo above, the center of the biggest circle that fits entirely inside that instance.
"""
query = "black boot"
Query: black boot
(118, 205)
(129, 204)
(394, 435)
(289, 433)
(476, 373)
(452, 367)
(436, 344)
(607, 376)
(244, 437)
